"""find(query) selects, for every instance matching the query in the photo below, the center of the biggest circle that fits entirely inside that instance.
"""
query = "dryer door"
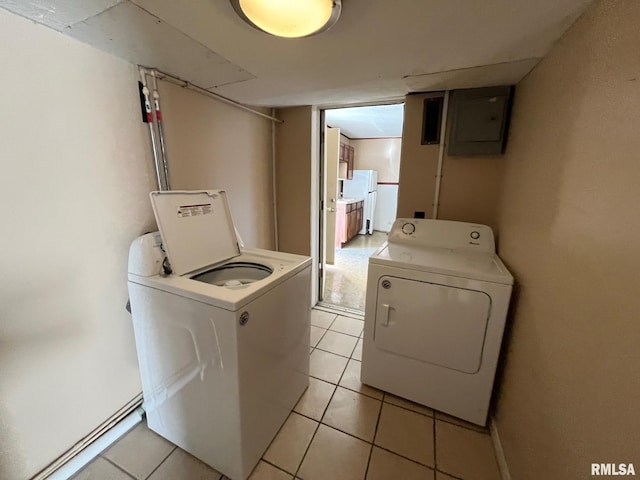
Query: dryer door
(431, 323)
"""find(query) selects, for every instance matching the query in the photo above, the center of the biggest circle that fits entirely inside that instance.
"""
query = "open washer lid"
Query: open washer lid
(196, 228)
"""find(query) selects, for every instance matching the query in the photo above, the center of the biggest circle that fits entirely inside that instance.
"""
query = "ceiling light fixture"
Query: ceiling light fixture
(289, 18)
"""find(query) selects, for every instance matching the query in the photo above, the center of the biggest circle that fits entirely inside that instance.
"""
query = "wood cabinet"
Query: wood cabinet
(348, 221)
(350, 160)
(354, 223)
(347, 156)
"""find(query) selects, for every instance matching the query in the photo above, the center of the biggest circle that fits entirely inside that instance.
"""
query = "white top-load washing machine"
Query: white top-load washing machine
(223, 341)
(436, 305)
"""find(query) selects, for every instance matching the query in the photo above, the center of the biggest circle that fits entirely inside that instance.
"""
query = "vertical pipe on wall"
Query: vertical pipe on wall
(273, 179)
(163, 150)
(152, 133)
(443, 136)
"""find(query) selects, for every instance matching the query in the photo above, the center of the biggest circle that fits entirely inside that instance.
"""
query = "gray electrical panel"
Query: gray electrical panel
(479, 120)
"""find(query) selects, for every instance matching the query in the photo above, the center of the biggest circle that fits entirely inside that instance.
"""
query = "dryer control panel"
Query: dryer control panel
(429, 233)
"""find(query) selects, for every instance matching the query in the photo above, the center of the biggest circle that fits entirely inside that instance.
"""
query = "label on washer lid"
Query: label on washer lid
(202, 234)
(185, 211)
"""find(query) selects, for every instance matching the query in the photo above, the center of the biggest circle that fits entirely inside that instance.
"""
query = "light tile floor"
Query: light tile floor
(346, 280)
(339, 430)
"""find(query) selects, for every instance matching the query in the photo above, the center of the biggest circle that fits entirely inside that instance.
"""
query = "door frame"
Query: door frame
(318, 179)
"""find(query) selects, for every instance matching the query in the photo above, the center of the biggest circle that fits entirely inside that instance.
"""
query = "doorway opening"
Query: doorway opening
(360, 168)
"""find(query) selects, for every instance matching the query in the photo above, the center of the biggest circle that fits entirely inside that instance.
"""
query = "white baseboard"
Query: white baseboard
(497, 447)
(77, 462)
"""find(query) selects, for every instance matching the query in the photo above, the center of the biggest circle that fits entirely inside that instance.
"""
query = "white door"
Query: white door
(431, 323)
(332, 144)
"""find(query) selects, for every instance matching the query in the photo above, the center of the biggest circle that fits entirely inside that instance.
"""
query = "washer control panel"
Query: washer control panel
(146, 255)
(428, 233)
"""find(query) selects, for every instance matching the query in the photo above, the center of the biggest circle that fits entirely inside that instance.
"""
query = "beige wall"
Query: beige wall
(213, 145)
(418, 163)
(76, 175)
(293, 179)
(470, 189)
(381, 154)
(569, 231)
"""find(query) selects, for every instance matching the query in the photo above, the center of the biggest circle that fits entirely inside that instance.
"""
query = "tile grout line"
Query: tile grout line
(161, 462)
(433, 416)
(354, 349)
(473, 428)
(382, 402)
(109, 461)
(329, 329)
(338, 354)
(455, 477)
(409, 409)
(344, 333)
(272, 464)
(373, 444)
(339, 333)
(327, 408)
(361, 393)
(320, 339)
(375, 434)
(391, 451)
(330, 323)
(276, 435)
(407, 458)
(335, 387)
(361, 439)
(430, 415)
(302, 415)
(347, 433)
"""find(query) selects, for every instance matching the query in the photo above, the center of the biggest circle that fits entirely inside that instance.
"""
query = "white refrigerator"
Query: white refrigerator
(363, 185)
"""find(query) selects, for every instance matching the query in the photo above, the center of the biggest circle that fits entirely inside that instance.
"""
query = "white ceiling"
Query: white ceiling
(378, 121)
(378, 50)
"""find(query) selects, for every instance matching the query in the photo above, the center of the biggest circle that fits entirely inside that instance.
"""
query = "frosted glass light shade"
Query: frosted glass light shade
(289, 18)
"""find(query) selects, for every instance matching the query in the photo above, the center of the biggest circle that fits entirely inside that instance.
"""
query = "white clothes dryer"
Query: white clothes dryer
(223, 341)
(436, 305)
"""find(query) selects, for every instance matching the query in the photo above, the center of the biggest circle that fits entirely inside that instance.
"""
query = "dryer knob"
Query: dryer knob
(408, 228)
(475, 235)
